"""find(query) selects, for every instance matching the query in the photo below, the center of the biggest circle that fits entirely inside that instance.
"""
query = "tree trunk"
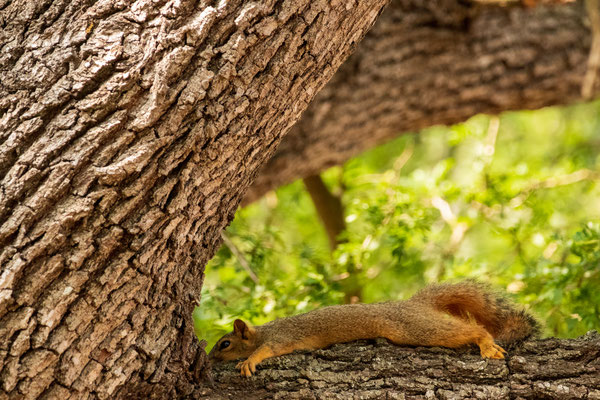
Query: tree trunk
(328, 206)
(129, 132)
(544, 369)
(437, 62)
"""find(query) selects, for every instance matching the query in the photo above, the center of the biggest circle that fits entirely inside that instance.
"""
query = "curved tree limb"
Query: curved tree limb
(428, 63)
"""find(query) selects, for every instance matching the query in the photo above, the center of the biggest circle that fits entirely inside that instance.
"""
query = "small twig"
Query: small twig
(555, 181)
(562, 180)
(491, 138)
(404, 157)
(459, 229)
(240, 257)
(589, 80)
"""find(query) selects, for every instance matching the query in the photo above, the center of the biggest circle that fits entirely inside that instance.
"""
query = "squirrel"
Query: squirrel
(448, 315)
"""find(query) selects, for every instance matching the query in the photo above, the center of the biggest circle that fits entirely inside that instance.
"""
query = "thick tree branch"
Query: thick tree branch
(549, 369)
(128, 134)
(427, 63)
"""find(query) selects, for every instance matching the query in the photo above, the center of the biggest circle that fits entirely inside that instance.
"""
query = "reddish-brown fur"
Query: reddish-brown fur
(449, 315)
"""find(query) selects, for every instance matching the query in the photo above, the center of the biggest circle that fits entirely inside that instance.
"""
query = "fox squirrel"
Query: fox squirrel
(449, 315)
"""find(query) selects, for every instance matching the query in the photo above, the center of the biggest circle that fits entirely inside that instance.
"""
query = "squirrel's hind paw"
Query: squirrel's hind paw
(491, 350)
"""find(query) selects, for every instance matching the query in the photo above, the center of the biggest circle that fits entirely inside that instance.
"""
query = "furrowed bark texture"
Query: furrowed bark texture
(542, 369)
(435, 62)
(128, 134)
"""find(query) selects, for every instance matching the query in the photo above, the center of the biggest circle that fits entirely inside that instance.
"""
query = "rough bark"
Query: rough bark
(128, 134)
(438, 62)
(543, 369)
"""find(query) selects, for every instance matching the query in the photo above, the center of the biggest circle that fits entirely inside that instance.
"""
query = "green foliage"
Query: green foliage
(510, 200)
(566, 291)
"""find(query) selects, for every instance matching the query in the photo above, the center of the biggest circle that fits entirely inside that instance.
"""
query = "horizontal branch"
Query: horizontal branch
(549, 368)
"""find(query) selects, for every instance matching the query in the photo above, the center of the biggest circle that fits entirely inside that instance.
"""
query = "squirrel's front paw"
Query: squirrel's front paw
(246, 367)
(491, 350)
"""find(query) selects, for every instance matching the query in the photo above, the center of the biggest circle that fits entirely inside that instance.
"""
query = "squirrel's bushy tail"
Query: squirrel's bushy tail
(472, 300)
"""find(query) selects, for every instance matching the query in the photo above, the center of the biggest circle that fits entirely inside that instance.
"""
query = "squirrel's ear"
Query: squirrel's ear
(242, 329)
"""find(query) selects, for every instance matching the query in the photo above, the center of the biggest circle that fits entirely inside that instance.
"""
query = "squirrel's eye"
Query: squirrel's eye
(224, 344)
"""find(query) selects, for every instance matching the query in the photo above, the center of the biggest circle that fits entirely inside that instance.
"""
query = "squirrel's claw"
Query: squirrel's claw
(492, 350)
(247, 368)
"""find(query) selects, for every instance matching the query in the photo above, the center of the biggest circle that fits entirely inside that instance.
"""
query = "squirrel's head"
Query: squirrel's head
(237, 344)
